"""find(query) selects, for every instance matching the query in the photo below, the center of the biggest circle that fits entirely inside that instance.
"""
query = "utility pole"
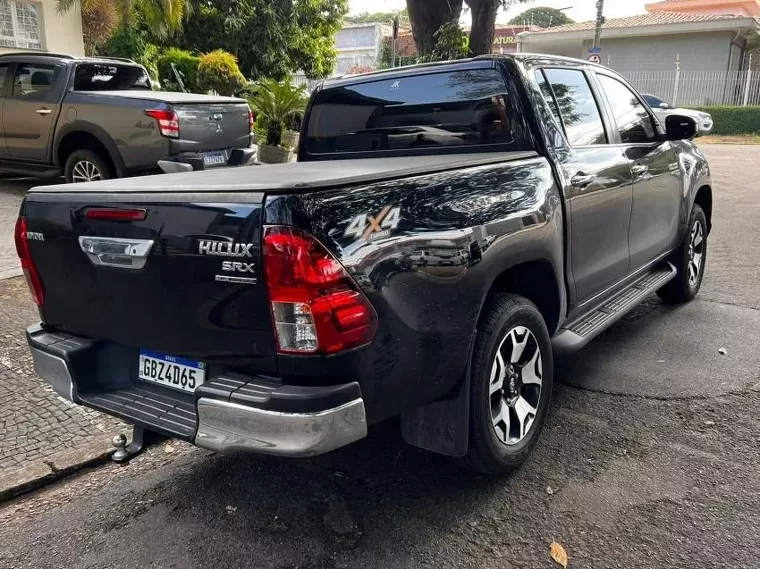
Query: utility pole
(599, 22)
(395, 39)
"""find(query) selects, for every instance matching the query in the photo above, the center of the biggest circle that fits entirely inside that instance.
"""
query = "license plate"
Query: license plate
(171, 371)
(214, 158)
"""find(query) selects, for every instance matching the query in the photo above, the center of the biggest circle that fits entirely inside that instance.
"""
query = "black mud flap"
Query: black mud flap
(444, 426)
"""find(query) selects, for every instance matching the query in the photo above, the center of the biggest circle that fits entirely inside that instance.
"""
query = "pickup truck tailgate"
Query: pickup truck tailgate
(178, 278)
(212, 126)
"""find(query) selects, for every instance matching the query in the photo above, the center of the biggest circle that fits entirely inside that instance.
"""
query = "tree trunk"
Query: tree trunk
(483, 25)
(426, 16)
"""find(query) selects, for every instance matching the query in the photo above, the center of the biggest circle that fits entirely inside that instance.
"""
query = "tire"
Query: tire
(84, 164)
(685, 286)
(508, 320)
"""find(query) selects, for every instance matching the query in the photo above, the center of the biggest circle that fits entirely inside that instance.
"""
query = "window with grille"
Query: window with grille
(20, 24)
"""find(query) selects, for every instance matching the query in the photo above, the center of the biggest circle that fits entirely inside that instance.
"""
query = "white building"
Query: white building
(36, 25)
(359, 46)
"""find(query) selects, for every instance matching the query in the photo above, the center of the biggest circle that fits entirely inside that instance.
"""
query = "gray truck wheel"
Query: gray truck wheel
(689, 260)
(512, 376)
(86, 166)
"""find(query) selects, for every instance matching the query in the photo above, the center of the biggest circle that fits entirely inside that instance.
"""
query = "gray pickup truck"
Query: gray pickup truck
(97, 118)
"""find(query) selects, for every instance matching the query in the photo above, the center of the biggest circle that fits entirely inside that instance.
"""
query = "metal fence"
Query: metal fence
(301, 80)
(699, 88)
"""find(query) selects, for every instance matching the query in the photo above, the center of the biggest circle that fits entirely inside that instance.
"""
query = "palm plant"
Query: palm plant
(277, 103)
(162, 17)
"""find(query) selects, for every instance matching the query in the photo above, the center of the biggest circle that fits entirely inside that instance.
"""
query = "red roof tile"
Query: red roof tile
(653, 19)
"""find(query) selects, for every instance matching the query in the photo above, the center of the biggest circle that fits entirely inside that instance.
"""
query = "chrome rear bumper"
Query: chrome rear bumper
(223, 414)
(230, 426)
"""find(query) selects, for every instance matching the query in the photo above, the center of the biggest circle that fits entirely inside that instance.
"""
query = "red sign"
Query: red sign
(505, 40)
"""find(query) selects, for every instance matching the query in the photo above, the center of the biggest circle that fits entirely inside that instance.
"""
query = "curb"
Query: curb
(10, 273)
(24, 479)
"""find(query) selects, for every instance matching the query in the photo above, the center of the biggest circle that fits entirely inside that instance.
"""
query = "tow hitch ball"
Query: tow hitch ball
(140, 438)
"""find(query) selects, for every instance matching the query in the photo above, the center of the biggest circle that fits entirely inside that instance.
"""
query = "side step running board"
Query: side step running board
(576, 334)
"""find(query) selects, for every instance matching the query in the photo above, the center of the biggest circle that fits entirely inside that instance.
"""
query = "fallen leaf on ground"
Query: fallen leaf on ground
(168, 449)
(709, 423)
(558, 554)
(231, 509)
(550, 490)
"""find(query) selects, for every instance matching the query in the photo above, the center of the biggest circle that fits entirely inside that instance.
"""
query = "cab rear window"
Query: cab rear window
(454, 110)
(106, 77)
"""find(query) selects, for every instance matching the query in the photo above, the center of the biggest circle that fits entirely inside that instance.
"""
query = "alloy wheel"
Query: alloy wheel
(85, 171)
(515, 385)
(696, 253)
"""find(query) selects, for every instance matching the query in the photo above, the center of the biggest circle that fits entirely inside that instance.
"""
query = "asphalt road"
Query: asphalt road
(650, 459)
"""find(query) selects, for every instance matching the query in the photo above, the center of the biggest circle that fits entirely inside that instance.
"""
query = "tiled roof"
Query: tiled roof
(653, 19)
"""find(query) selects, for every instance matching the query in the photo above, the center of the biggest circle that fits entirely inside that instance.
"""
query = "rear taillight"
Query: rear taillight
(316, 306)
(168, 121)
(251, 120)
(27, 265)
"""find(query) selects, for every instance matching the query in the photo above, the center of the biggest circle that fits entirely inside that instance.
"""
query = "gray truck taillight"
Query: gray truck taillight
(316, 305)
(168, 121)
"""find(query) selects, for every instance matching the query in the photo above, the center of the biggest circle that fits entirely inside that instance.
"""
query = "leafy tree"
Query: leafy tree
(270, 38)
(185, 63)
(428, 16)
(131, 43)
(483, 24)
(218, 71)
(380, 17)
(450, 43)
(99, 20)
(161, 17)
(541, 16)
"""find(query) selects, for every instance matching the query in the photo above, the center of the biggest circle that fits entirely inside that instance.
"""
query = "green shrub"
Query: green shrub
(261, 126)
(132, 44)
(734, 120)
(185, 62)
(218, 71)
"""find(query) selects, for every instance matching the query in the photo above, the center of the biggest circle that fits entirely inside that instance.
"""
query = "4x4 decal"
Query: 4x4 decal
(365, 226)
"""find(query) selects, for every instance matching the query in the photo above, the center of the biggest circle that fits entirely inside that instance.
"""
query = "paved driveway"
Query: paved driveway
(650, 459)
(12, 191)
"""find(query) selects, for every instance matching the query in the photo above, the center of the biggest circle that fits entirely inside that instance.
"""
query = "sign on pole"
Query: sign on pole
(595, 58)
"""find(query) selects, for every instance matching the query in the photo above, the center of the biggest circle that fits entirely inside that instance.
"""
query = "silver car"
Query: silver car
(662, 109)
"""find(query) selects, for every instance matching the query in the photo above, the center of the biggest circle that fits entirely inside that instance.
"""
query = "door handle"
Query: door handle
(43, 111)
(581, 179)
(639, 170)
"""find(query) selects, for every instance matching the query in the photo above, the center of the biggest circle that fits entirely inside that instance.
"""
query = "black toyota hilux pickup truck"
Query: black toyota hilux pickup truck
(447, 230)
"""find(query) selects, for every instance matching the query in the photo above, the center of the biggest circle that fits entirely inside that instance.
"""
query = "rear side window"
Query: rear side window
(546, 91)
(34, 80)
(104, 77)
(633, 120)
(438, 110)
(577, 106)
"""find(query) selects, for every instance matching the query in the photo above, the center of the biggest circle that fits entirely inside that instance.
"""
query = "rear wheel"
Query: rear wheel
(512, 375)
(86, 166)
(689, 260)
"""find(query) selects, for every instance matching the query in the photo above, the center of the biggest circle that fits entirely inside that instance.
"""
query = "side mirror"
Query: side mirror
(680, 127)
(664, 105)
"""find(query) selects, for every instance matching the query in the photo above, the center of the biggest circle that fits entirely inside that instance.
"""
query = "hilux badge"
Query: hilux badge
(224, 248)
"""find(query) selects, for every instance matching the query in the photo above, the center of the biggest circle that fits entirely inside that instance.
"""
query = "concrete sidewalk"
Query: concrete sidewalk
(42, 436)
